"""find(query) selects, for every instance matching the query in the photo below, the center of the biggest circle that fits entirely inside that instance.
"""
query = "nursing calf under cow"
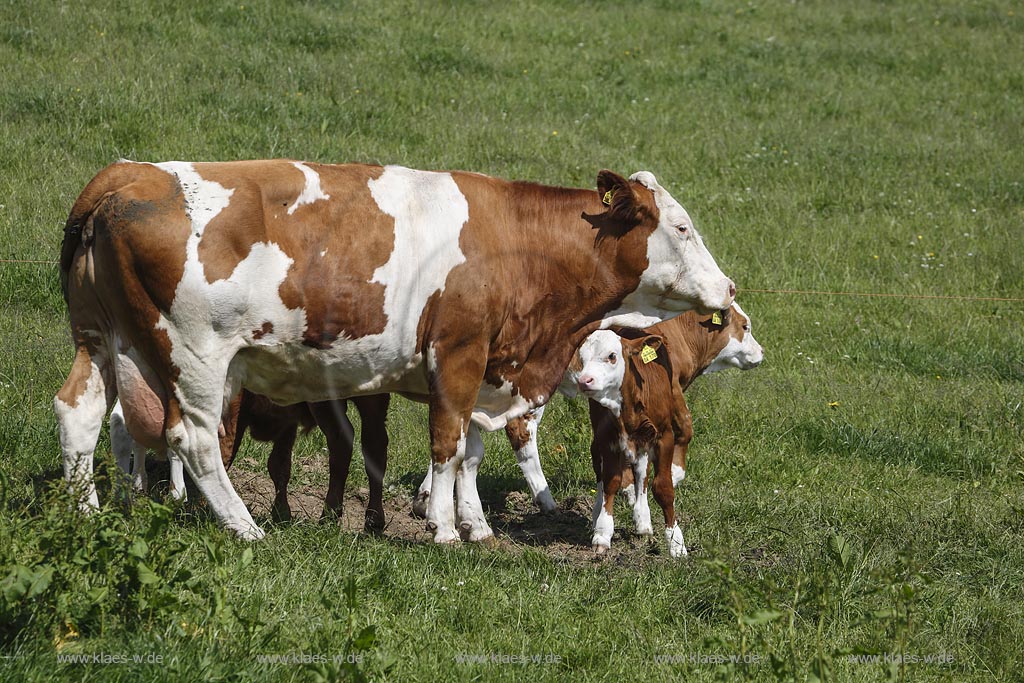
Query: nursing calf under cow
(186, 282)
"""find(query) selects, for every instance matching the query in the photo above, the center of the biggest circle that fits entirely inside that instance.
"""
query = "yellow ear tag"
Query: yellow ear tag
(607, 199)
(716, 318)
(647, 354)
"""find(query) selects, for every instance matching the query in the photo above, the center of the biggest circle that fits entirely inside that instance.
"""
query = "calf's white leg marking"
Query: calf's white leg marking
(528, 458)
(642, 507)
(604, 524)
(674, 537)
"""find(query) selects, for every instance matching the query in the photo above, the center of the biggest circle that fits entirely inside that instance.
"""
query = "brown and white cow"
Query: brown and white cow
(308, 282)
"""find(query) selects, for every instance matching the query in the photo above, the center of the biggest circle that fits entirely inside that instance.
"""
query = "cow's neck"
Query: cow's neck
(608, 267)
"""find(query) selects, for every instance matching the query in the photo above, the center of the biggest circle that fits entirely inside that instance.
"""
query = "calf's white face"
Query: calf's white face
(742, 351)
(681, 273)
(603, 368)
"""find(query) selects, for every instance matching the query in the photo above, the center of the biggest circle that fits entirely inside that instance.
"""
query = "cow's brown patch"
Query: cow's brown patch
(265, 329)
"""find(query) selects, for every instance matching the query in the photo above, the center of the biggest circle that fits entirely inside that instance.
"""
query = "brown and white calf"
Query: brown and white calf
(635, 381)
(186, 282)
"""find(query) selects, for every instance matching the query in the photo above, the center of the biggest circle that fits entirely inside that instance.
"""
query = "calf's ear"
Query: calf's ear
(618, 195)
(653, 341)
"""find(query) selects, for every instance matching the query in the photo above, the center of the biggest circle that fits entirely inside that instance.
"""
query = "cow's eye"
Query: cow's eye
(746, 328)
(612, 358)
(682, 229)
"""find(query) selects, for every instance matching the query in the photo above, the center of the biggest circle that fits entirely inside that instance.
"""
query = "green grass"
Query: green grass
(863, 147)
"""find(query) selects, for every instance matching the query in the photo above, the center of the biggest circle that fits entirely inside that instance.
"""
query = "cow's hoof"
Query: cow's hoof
(489, 542)
(545, 502)
(251, 533)
(281, 513)
(373, 523)
(419, 504)
(600, 549)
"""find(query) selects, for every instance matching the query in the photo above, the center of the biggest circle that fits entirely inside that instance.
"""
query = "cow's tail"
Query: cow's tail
(79, 230)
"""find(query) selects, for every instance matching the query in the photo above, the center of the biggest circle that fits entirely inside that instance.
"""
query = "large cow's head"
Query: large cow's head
(679, 273)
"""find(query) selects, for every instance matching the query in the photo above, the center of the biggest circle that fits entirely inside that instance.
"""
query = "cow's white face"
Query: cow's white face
(742, 351)
(681, 273)
(603, 369)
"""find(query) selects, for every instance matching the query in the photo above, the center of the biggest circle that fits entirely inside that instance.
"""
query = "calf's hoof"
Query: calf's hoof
(373, 523)
(600, 549)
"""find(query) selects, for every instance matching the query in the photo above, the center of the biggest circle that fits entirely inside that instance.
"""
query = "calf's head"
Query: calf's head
(678, 273)
(740, 349)
(603, 368)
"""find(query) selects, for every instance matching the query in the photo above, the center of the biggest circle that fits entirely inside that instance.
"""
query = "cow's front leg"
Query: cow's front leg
(454, 378)
(447, 452)
(470, 510)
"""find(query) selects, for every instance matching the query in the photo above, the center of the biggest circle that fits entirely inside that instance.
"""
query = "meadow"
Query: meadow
(857, 496)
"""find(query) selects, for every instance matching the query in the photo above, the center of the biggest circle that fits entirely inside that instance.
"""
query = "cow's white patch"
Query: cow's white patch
(678, 474)
(79, 427)
(323, 253)
(311, 192)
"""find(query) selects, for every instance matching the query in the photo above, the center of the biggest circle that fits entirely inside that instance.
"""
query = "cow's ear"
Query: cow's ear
(618, 196)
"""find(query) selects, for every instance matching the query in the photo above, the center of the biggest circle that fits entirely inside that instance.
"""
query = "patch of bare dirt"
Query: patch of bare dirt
(517, 522)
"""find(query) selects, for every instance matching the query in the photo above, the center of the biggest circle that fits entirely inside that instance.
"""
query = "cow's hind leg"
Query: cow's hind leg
(80, 405)
(192, 435)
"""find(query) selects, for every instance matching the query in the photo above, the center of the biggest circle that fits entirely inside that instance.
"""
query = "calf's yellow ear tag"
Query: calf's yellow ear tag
(607, 199)
(647, 354)
(716, 318)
